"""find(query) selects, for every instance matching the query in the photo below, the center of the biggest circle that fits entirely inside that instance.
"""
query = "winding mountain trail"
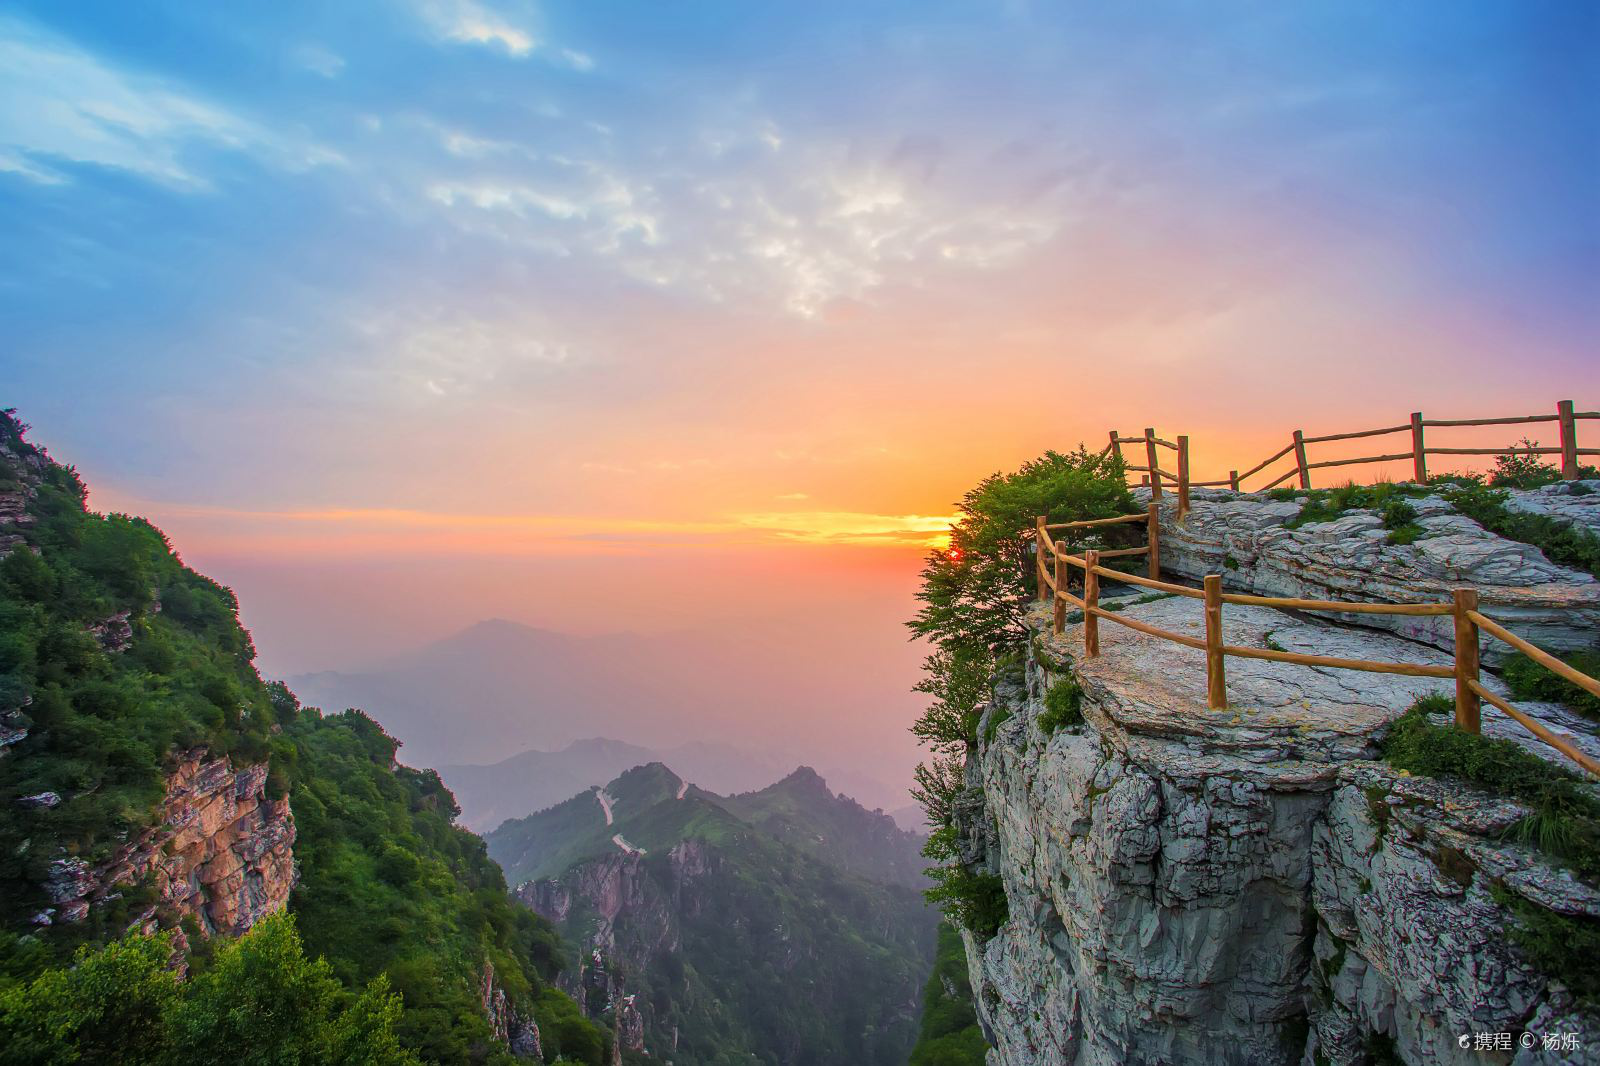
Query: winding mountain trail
(605, 803)
(683, 786)
(625, 846)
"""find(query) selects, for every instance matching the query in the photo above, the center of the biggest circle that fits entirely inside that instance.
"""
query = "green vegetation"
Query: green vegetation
(974, 598)
(782, 953)
(949, 1035)
(997, 717)
(1387, 498)
(1565, 946)
(1063, 705)
(1530, 681)
(1522, 468)
(388, 884)
(1566, 815)
(1565, 824)
(975, 901)
(1564, 543)
(260, 1000)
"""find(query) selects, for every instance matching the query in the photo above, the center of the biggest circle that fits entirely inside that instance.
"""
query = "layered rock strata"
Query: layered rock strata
(1245, 538)
(220, 852)
(1246, 886)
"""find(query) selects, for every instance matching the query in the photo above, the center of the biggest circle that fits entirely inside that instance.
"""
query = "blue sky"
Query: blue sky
(718, 262)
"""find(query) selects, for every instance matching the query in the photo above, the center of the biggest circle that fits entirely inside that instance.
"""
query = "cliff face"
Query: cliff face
(1246, 886)
(221, 852)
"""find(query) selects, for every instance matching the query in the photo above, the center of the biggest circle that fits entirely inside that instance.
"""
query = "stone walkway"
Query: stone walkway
(1279, 713)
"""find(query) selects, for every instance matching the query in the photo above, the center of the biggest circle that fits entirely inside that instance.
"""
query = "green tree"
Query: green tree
(262, 1002)
(110, 1006)
(974, 598)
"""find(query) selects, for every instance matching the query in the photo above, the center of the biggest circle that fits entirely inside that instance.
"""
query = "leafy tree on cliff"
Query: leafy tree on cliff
(260, 1002)
(974, 596)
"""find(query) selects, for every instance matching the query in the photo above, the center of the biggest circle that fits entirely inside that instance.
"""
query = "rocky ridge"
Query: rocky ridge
(1245, 538)
(1244, 886)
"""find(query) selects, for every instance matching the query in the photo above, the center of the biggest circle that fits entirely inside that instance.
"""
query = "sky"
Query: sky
(615, 317)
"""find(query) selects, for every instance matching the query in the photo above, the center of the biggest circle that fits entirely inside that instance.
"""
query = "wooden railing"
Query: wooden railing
(1055, 581)
(1565, 417)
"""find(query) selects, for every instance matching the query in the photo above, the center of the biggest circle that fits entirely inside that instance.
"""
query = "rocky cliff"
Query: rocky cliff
(221, 852)
(1254, 886)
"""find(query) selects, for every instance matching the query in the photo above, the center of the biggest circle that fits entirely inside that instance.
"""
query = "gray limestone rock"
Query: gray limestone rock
(1244, 886)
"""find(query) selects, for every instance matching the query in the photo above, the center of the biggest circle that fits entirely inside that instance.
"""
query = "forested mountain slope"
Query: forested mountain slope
(703, 938)
(151, 780)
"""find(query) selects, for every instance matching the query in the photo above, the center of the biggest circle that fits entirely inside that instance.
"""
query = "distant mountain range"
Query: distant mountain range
(779, 925)
(534, 780)
(463, 702)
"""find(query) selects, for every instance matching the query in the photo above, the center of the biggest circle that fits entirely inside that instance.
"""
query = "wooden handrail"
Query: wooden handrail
(1543, 658)
(1442, 423)
(1565, 417)
(1088, 522)
(1145, 582)
(1468, 622)
(1353, 462)
(1408, 669)
(1537, 729)
(1339, 606)
(1144, 627)
(1266, 463)
(1360, 433)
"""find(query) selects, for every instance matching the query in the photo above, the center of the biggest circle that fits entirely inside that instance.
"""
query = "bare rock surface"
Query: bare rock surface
(221, 852)
(1245, 886)
(1244, 537)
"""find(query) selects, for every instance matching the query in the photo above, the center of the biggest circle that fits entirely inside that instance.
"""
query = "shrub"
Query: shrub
(1565, 822)
(975, 901)
(1564, 543)
(1063, 706)
(1522, 468)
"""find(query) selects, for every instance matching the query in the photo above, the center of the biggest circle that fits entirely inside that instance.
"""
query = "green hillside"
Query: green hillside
(737, 944)
(801, 812)
(388, 884)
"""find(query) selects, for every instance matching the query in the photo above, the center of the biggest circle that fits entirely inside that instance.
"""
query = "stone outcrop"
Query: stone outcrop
(221, 852)
(1246, 539)
(1246, 886)
(519, 1034)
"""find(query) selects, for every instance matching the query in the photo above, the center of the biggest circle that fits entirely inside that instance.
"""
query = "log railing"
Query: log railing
(1054, 565)
(1565, 418)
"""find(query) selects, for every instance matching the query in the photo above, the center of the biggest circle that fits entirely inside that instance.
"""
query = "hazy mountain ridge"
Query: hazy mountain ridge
(777, 925)
(498, 686)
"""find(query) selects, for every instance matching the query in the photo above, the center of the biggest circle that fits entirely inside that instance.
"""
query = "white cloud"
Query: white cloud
(59, 103)
(467, 22)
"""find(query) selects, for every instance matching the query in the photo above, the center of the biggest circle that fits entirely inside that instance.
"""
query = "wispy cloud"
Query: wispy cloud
(60, 104)
(319, 60)
(467, 22)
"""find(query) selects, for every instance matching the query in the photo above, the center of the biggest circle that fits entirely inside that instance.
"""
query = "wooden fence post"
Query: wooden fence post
(1059, 616)
(1091, 599)
(1216, 682)
(1116, 445)
(1152, 463)
(1419, 457)
(1154, 523)
(1467, 701)
(1183, 476)
(1038, 554)
(1300, 459)
(1569, 440)
(1233, 479)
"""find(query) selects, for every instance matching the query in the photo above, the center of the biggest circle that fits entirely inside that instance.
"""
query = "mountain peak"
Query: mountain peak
(804, 778)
